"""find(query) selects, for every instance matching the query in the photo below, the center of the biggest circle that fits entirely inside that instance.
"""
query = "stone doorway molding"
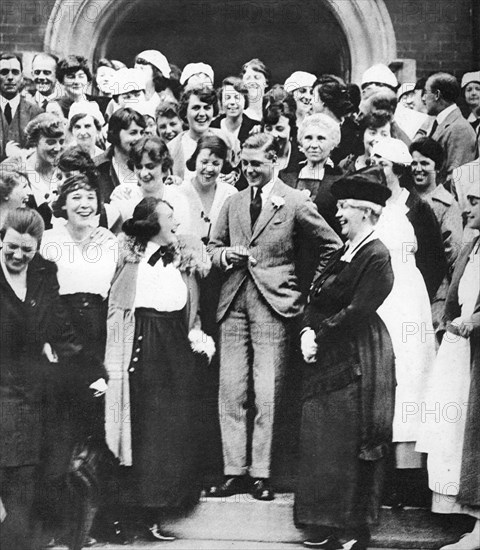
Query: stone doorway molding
(84, 26)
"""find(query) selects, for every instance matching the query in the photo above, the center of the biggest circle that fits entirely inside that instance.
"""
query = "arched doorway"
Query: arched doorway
(321, 36)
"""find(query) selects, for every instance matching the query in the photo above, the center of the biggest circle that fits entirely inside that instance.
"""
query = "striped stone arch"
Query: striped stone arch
(84, 26)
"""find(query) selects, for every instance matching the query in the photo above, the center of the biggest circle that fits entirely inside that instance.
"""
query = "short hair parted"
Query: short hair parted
(263, 142)
(144, 224)
(11, 55)
(25, 221)
(324, 122)
(238, 85)
(272, 113)
(375, 119)
(156, 150)
(44, 124)
(259, 66)
(120, 120)
(447, 85)
(217, 146)
(70, 65)
(206, 95)
(429, 148)
(9, 179)
(76, 159)
(71, 184)
(79, 116)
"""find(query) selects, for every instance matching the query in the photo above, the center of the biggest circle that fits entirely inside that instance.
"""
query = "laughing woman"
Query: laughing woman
(46, 134)
(349, 393)
(153, 307)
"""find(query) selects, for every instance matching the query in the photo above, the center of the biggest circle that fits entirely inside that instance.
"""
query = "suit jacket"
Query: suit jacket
(272, 242)
(457, 138)
(27, 110)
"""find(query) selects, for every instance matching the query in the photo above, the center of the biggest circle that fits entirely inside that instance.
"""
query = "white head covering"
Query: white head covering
(379, 73)
(86, 108)
(470, 77)
(127, 80)
(299, 79)
(195, 68)
(157, 59)
(405, 88)
(393, 150)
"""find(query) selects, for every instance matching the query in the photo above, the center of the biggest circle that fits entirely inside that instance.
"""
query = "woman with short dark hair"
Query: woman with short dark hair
(74, 73)
(197, 108)
(154, 378)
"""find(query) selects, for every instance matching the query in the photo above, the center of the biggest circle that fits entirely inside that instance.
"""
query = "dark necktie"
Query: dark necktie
(167, 253)
(8, 113)
(256, 205)
(434, 128)
(44, 104)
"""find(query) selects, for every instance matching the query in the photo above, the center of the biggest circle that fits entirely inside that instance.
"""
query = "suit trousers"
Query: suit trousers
(252, 336)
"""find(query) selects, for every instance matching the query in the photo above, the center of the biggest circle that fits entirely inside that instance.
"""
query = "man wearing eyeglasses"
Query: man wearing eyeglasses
(16, 111)
(44, 66)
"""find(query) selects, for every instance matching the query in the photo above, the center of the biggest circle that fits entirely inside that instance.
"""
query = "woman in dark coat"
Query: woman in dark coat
(348, 400)
(35, 328)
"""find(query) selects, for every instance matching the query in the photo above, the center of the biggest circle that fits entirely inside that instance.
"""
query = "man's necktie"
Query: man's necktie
(44, 104)
(256, 205)
(434, 128)
(8, 113)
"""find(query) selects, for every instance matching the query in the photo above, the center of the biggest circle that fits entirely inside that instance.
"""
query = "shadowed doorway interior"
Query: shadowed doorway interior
(285, 34)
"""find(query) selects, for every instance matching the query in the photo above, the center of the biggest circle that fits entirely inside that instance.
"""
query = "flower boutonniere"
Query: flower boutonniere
(277, 201)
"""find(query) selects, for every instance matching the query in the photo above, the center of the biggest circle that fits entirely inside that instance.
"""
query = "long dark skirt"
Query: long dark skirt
(335, 488)
(164, 411)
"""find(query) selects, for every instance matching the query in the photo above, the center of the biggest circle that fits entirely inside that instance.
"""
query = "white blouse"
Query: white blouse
(159, 287)
(82, 267)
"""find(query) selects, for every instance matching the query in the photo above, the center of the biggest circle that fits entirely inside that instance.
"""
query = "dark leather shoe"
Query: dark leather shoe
(234, 485)
(262, 489)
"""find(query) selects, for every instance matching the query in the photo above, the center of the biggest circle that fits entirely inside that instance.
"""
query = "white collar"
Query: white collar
(267, 189)
(351, 251)
(14, 103)
(443, 115)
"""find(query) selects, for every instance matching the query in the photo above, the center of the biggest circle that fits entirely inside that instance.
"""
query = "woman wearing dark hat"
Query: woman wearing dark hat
(348, 400)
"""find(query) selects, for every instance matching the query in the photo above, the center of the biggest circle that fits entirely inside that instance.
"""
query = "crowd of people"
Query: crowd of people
(171, 249)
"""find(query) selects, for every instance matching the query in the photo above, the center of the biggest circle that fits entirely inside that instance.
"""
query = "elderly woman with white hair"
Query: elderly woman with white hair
(349, 377)
(318, 135)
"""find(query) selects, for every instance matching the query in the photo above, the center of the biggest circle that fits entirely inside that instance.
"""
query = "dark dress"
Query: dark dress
(349, 393)
(164, 390)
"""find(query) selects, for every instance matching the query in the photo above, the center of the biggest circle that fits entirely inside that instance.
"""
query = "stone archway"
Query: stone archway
(81, 26)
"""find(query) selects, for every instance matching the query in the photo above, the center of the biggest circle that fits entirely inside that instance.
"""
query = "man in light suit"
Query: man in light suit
(255, 241)
(450, 128)
(16, 111)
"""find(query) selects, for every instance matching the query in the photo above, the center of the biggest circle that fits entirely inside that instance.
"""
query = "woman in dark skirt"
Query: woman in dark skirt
(152, 329)
(348, 400)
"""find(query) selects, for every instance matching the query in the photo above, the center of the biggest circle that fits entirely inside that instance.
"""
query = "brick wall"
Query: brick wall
(437, 33)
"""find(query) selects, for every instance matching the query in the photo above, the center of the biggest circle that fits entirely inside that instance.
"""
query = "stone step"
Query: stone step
(242, 518)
